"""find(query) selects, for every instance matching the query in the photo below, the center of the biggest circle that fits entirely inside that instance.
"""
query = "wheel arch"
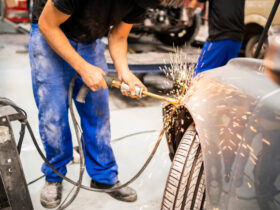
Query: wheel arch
(177, 128)
(251, 29)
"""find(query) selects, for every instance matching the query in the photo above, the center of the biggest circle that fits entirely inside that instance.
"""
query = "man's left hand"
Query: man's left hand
(132, 81)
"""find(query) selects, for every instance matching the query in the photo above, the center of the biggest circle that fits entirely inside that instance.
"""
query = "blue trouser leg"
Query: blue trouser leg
(216, 54)
(100, 161)
(50, 79)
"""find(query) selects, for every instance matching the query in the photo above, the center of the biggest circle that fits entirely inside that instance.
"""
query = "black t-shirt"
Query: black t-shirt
(92, 19)
(226, 19)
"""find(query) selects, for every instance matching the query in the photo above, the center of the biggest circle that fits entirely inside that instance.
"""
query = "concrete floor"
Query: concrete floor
(130, 154)
(128, 116)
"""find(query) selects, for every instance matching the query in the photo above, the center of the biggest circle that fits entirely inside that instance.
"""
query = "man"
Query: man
(226, 29)
(65, 40)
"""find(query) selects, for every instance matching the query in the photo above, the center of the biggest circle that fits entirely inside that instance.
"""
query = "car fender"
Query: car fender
(223, 103)
(255, 19)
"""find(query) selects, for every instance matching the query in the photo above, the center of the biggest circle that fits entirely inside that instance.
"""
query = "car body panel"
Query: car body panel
(236, 110)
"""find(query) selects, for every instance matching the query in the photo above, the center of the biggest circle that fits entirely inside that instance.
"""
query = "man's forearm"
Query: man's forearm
(49, 25)
(118, 52)
(118, 46)
(59, 42)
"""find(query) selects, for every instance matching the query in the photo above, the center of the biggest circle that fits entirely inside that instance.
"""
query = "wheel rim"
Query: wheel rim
(262, 51)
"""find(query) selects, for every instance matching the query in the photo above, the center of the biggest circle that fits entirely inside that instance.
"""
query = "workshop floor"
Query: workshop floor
(130, 154)
(128, 116)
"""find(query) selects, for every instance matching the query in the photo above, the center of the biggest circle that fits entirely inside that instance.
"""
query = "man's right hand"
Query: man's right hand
(49, 24)
(190, 14)
(93, 77)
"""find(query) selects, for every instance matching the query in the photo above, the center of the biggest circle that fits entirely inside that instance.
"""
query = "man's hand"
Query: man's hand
(132, 81)
(49, 24)
(93, 77)
(118, 50)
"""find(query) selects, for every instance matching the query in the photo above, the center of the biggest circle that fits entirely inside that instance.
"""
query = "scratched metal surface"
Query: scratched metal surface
(236, 109)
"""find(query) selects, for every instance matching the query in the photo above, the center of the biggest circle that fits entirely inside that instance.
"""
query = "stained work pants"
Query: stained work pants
(51, 77)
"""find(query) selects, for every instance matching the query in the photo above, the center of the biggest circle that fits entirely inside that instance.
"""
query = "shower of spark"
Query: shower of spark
(180, 72)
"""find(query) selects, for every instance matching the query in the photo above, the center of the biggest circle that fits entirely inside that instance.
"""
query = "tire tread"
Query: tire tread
(185, 186)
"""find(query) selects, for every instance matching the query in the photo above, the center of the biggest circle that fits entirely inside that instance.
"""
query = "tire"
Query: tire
(185, 186)
(181, 37)
(251, 47)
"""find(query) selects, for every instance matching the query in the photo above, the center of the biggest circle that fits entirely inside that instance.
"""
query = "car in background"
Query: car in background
(256, 15)
(169, 25)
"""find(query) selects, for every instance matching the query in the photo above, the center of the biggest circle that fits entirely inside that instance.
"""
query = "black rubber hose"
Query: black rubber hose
(76, 125)
(82, 94)
(80, 146)
(35, 180)
(76, 183)
(24, 124)
(89, 188)
(21, 137)
(112, 141)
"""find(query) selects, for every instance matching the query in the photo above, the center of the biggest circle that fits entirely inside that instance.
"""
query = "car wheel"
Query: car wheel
(180, 37)
(251, 47)
(185, 186)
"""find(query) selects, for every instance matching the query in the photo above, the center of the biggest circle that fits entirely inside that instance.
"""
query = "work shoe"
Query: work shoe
(51, 194)
(126, 194)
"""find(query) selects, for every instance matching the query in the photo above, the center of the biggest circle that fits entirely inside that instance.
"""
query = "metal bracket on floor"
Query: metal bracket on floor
(14, 193)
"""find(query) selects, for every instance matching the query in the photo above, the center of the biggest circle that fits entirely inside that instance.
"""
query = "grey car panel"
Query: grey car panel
(236, 110)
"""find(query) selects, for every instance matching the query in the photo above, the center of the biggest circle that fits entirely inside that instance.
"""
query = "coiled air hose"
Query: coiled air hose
(77, 128)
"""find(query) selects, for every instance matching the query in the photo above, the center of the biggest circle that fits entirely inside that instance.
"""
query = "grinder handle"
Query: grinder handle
(82, 94)
(138, 90)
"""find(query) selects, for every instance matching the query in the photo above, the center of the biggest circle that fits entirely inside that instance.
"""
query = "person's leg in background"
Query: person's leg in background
(216, 54)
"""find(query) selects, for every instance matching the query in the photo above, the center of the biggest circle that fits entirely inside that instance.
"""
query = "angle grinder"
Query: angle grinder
(139, 92)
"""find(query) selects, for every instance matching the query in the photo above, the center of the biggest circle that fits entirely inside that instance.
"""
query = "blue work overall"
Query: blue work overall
(217, 53)
(51, 77)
